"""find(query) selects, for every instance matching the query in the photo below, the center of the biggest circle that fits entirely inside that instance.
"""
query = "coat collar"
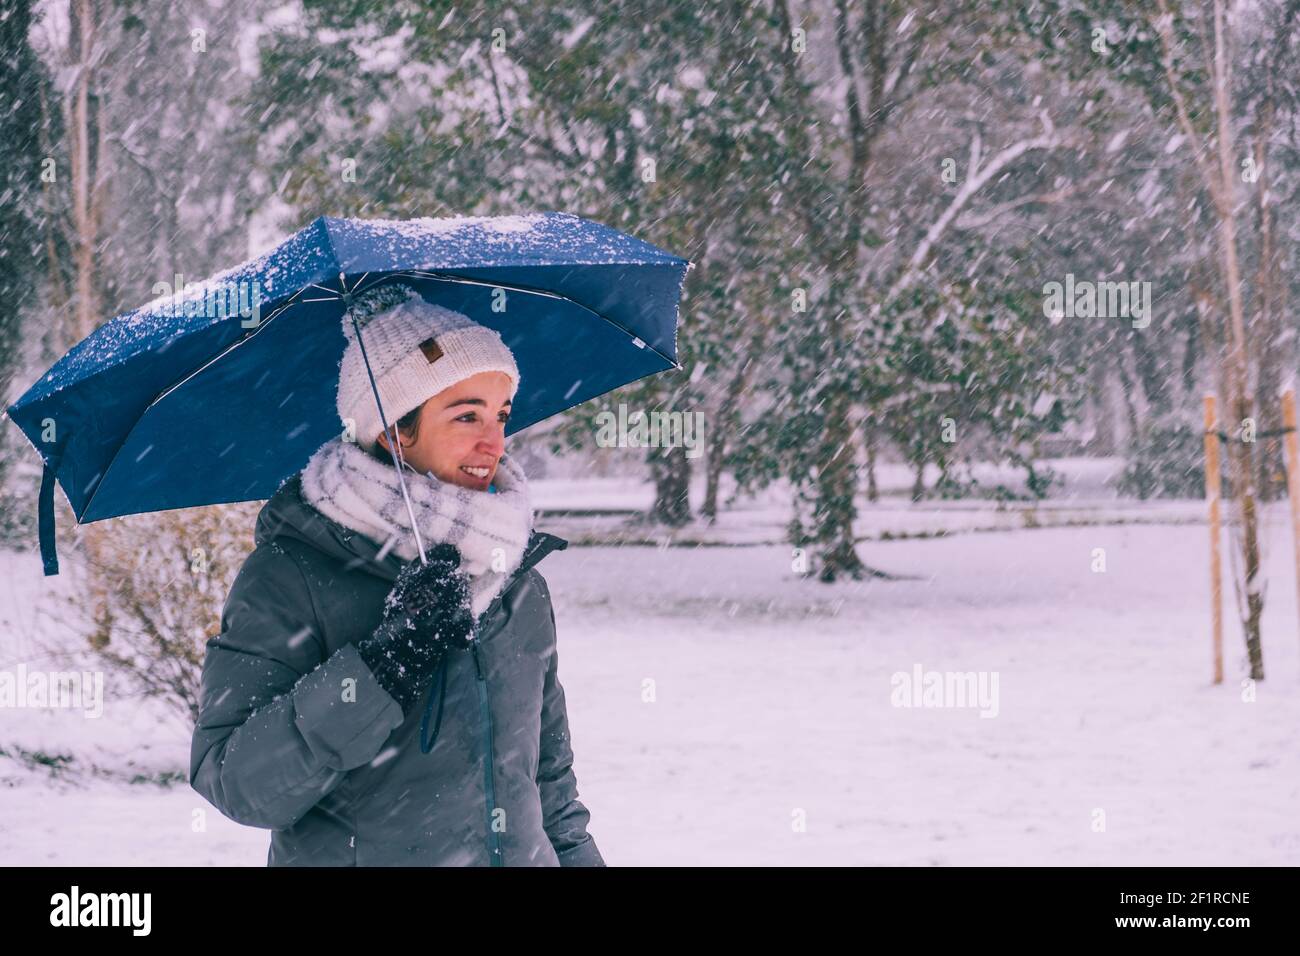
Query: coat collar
(540, 544)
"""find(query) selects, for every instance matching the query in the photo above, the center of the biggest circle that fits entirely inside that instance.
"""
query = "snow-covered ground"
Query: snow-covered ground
(771, 738)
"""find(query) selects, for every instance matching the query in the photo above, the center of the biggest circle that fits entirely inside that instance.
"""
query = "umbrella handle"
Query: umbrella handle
(398, 459)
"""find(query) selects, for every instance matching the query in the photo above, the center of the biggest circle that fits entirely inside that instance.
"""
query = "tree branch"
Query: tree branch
(1164, 25)
(1048, 139)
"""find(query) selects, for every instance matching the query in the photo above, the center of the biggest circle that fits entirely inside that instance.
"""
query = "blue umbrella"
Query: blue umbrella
(220, 391)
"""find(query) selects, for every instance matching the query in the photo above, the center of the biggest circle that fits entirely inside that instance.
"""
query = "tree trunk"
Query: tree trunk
(1152, 374)
(725, 422)
(1130, 407)
(1192, 350)
(1102, 440)
(671, 470)
(871, 438)
(836, 486)
(1272, 468)
(713, 474)
(1242, 457)
(85, 138)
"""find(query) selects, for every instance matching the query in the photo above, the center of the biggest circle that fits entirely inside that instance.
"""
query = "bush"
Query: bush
(147, 592)
(1167, 460)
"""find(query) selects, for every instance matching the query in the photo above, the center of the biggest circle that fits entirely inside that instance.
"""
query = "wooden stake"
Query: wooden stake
(1216, 569)
(1292, 474)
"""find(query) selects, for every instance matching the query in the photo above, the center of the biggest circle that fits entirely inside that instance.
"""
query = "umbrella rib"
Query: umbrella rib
(542, 292)
(335, 295)
(414, 273)
(171, 388)
(233, 345)
(493, 285)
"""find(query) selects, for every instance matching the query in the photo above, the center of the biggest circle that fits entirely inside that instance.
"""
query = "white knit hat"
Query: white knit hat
(416, 349)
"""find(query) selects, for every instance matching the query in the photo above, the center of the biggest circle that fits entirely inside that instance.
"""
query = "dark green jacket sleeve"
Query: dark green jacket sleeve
(280, 723)
(563, 815)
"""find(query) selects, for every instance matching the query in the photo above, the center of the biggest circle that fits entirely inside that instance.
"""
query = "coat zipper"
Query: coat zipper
(489, 784)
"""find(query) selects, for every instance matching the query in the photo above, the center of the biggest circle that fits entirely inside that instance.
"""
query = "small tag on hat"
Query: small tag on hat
(430, 349)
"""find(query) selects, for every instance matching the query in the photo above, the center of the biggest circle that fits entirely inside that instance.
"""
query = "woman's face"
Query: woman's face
(462, 427)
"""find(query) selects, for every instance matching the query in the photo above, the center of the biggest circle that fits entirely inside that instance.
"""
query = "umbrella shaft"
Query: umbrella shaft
(415, 525)
(398, 459)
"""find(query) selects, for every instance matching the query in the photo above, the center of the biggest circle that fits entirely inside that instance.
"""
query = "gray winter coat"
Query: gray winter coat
(296, 736)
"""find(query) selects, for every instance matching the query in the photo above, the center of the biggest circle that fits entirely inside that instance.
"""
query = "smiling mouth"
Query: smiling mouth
(479, 473)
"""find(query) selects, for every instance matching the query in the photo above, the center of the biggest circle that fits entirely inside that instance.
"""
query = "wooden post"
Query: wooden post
(1216, 569)
(1292, 474)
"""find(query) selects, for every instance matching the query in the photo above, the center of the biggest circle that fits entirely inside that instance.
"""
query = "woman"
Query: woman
(365, 707)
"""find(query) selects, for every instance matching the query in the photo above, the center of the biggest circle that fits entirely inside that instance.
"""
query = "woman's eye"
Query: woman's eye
(468, 416)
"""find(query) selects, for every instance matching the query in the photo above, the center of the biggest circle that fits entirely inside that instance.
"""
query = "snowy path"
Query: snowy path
(773, 695)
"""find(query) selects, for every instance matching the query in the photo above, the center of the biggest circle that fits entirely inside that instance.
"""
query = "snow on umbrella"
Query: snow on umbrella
(219, 392)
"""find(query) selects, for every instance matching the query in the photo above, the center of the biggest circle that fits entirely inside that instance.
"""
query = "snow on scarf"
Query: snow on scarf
(361, 492)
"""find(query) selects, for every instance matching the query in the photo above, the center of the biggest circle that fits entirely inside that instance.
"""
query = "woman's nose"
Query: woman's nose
(493, 441)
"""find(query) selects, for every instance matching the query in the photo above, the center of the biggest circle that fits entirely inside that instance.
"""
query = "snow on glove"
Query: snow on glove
(426, 614)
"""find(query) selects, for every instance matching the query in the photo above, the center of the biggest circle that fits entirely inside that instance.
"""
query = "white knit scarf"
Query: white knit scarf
(359, 491)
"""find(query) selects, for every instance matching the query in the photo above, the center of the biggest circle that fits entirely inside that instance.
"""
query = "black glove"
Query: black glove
(427, 613)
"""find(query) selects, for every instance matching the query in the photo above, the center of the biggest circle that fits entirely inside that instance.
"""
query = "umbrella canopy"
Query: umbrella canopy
(188, 401)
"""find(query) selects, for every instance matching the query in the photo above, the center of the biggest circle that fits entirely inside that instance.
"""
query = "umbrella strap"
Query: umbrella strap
(45, 520)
